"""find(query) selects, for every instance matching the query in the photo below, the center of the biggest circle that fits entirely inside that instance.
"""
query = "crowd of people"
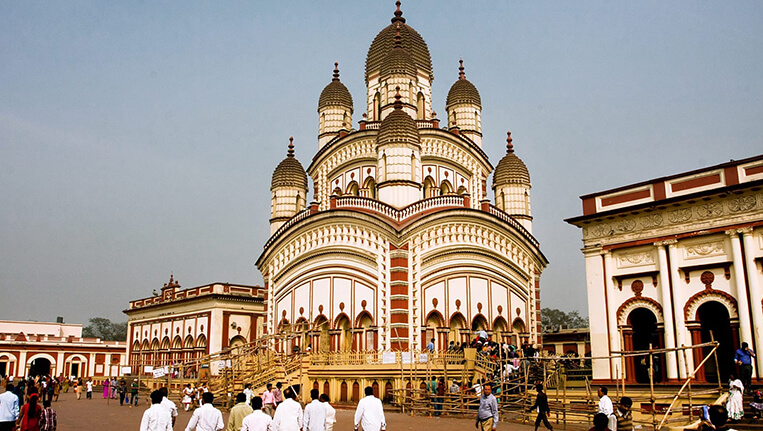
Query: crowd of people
(26, 405)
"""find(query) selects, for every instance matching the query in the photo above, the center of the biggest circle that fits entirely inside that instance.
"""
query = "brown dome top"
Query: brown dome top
(335, 94)
(384, 42)
(398, 126)
(511, 169)
(398, 60)
(289, 173)
(463, 91)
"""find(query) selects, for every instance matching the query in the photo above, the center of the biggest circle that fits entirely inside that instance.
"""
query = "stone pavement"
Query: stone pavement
(102, 415)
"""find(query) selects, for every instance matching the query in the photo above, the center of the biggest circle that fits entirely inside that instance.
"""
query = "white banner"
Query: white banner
(158, 372)
(126, 370)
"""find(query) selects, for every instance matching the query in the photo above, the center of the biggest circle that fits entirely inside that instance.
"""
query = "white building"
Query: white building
(670, 261)
(401, 243)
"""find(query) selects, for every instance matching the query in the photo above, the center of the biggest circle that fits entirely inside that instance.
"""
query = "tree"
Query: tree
(551, 319)
(105, 329)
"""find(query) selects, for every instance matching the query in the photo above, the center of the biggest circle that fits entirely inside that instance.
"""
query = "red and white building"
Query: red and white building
(401, 242)
(177, 325)
(671, 261)
(42, 348)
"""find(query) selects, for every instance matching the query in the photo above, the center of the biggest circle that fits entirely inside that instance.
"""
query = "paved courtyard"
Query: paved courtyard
(100, 414)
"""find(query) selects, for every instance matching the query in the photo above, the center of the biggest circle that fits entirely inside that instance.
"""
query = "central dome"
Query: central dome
(413, 43)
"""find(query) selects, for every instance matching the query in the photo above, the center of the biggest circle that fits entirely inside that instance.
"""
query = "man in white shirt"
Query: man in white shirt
(370, 413)
(258, 420)
(249, 393)
(289, 414)
(330, 412)
(89, 393)
(169, 405)
(315, 413)
(206, 417)
(606, 407)
(9, 408)
(156, 417)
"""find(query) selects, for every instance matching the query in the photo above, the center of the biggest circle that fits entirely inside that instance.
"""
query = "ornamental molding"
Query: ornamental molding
(626, 260)
(696, 301)
(638, 302)
(692, 215)
(704, 249)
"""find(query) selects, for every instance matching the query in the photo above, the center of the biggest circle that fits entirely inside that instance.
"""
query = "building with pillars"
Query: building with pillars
(178, 325)
(401, 243)
(672, 262)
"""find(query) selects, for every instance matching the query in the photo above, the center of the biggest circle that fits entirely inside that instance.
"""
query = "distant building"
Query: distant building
(41, 348)
(567, 342)
(178, 325)
(675, 261)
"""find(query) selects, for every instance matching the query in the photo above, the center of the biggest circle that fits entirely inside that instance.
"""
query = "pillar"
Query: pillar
(697, 354)
(671, 362)
(739, 289)
(682, 336)
(756, 296)
(630, 361)
(614, 335)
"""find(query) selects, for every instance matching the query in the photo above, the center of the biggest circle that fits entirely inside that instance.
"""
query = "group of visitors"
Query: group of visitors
(21, 410)
(192, 395)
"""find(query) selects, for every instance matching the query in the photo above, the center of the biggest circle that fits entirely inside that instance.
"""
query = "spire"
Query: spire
(336, 71)
(398, 13)
(509, 145)
(398, 102)
(398, 38)
(290, 152)
(461, 74)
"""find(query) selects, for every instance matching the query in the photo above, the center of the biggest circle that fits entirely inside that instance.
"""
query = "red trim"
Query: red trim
(626, 197)
(695, 182)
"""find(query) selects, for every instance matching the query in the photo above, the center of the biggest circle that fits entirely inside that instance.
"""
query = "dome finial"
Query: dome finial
(290, 153)
(398, 13)
(398, 102)
(509, 145)
(461, 74)
(336, 71)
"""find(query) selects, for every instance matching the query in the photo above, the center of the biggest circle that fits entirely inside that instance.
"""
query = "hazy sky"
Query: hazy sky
(139, 138)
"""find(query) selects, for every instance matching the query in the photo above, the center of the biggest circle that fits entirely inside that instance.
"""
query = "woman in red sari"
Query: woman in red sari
(30, 415)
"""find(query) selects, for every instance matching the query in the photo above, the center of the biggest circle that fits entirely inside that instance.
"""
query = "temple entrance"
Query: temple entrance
(645, 337)
(714, 318)
(39, 367)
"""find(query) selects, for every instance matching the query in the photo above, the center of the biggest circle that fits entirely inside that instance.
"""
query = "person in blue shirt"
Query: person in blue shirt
(743, 358)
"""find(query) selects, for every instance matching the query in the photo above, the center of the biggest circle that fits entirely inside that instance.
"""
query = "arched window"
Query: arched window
(337, 191)
(413, 167)
(369, 188)
(420, 114)
(430, 190)
(347, 121)
(322, 125)
(377, 107)
(446, 188)
(461, 190)
(353, 189)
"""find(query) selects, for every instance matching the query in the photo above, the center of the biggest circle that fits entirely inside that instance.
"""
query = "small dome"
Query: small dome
(463, 91)
(384, 42)
(398, 60)
(398, 126)
(335, 94)
(289, 173)
(511, 169)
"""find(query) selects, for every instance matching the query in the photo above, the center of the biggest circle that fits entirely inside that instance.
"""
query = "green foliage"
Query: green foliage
(105, 329)
(551, 319)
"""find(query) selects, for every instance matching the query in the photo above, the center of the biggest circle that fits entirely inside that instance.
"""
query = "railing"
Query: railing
(510, 220)
(379, 357)
(399, 215)
(292, 221)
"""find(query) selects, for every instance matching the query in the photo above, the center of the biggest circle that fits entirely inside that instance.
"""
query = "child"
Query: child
(624, 415)
(757, 402)
(48, 420)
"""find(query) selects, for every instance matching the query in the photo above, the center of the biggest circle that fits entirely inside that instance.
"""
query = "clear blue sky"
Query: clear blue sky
(139, 138)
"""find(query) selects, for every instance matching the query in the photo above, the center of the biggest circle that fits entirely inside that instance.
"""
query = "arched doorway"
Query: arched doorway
(345, 336)
(645, 336)
(714, 319)
(434, 321)
(343, 392)
(355, 392)
(322, 327)
(457, 323)
(39, 366)
(387, 392)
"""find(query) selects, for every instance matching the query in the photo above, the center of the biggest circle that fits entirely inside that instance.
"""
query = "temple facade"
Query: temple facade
(399, 242)
(676, 261)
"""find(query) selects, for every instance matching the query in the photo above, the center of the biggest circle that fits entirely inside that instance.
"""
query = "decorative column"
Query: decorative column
(740, 287)
(756, 296)
(697, 354)
(630, 361)
(681, 335)
(614, 335)
(671, 362)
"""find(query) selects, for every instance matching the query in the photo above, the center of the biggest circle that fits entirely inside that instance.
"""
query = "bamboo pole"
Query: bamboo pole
(717, 368)
(686, 368)
(622, 361)
(651, 387)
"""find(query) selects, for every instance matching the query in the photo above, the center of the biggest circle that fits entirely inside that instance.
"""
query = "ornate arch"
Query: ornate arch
(436, 314)
(638, 302)
(479, 317)
(42, 356)
(520, 322)
(500, 322)
(458, 315)
(338, 319)
(693, 304)
(360, 316)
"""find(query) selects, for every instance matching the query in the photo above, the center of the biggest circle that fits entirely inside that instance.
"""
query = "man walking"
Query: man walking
(370, 413)
(289, 415)
(238, 413)
(9, 409)
(606, 407)
(156, 417)
(315, 414)
(169, 405)
(268, 400)
(206, 417)
(743, 358)
(487, 415)
(258, 420)
(541, 403)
